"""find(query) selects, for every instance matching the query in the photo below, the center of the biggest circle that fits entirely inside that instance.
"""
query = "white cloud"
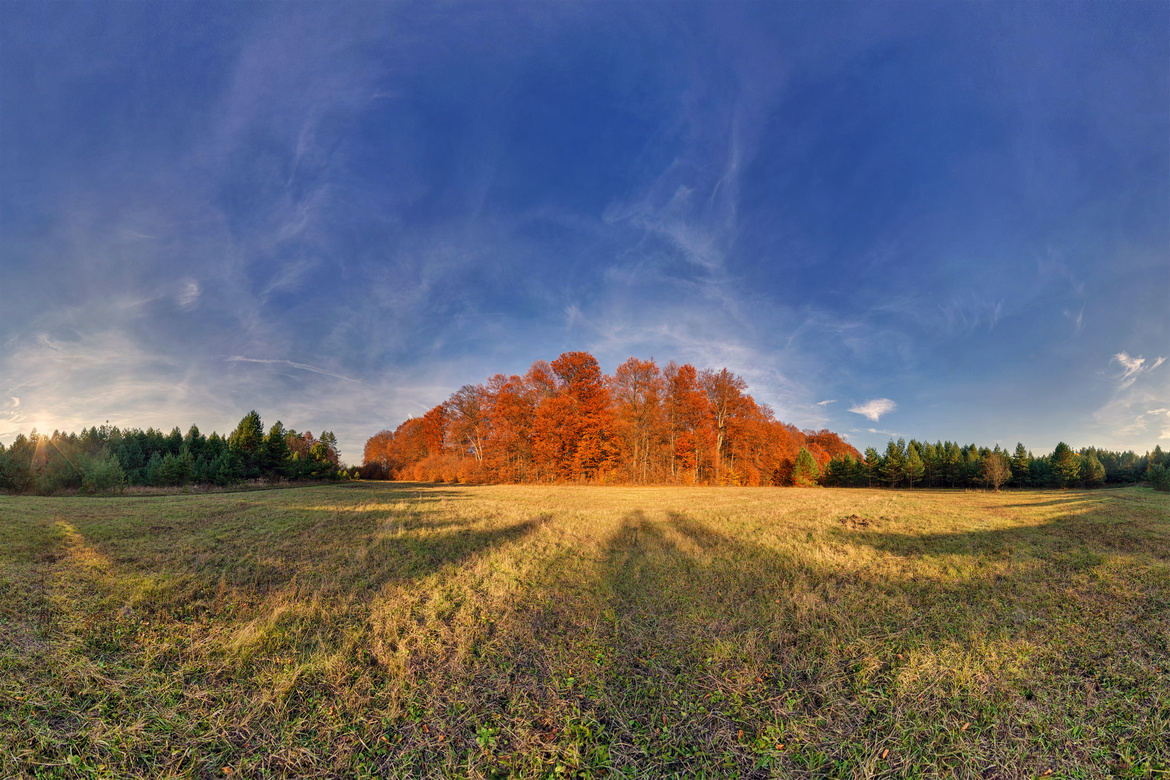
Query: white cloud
(189, 295)
(827, 402)
(1134, 368)
(291, 364)
(15, 402)
(874, 409)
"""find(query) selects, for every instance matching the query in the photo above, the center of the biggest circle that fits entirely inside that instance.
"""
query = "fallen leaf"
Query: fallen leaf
(965, 725)
(885, 753)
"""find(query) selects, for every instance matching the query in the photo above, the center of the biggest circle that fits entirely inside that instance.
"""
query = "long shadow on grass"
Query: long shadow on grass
(261, 546)
(714, 637)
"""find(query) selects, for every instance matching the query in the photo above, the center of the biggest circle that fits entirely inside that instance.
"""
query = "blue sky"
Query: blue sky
(929, 220)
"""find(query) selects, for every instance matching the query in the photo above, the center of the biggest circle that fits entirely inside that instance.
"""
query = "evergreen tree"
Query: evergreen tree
(873, 466)
(1066, 465)
(952, 462)
(915, 468)
(247, 444)
(805, 472)
(1092, 471)
(1021, 465)
(276, 451)
(894, 462)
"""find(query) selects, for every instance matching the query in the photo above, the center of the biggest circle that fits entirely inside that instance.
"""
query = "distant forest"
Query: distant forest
(566, 421)
(106, 459)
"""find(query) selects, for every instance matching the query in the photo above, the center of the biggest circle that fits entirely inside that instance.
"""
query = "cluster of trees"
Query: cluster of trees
(566, 421)
(946, 464)
(107, 458)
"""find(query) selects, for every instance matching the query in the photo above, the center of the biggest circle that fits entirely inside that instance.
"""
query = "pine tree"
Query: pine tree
(247, 444)
(1066, 465)
(894, 463)
(805, 472)
(914, 465)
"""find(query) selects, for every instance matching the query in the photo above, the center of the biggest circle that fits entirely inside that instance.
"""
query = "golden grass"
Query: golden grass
(377, 629)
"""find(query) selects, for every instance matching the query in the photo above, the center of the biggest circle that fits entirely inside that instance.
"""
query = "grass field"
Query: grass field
(376, 629)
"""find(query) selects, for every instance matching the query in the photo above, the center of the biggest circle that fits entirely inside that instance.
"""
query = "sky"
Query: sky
(941, 221)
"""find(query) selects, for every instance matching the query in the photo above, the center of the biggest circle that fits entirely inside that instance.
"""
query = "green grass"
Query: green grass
(377, 629)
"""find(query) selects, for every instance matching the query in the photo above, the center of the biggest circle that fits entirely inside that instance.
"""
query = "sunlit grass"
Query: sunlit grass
(413, 630)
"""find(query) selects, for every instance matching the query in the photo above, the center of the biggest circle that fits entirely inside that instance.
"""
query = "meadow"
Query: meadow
(420, 630)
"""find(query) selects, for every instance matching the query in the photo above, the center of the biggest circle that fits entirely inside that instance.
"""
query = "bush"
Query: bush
(1159, 477)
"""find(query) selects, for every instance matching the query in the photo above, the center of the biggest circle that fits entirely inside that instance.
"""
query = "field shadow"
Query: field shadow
(258, 547)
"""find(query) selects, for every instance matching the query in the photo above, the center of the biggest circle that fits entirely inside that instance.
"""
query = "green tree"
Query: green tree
(1092, 471)
(247, 443)
(915, 468)
(873, 466)
(1066, 465)
(276, 451)
(1021, 465)
(894, 462)
(805, 472)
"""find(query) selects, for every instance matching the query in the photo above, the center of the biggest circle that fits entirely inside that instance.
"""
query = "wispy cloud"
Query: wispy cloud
(874, 409)
(1134, 367)
(826, 402)
(291, 364)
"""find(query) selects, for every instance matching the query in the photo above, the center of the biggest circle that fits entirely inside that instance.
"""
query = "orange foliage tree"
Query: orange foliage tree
(566, 421)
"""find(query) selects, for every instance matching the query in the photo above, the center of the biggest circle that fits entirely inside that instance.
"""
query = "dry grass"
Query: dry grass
(418, 630)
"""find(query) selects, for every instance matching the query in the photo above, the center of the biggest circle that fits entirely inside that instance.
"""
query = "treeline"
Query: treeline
(566, 421)
(946, 464)
(104, 459)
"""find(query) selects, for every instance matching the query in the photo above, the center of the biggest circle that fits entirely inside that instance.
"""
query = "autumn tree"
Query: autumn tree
(573, 431)
(637, 388)
(470, 419)
(724, 392)
(996, 469)
(511, 405)
(685, 409)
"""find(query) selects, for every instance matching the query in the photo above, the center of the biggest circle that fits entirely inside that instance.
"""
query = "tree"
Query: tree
(1092, 472)
(572, 431)
(1066, 465)
(805, 472)
(996, 469)
(685, 408)
(470, 420)
(873, 466)
(724, 393)
(276, 451)
(1021, 465)
(914, 465)
(894, 462)
(246, 442)
(637, 388)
